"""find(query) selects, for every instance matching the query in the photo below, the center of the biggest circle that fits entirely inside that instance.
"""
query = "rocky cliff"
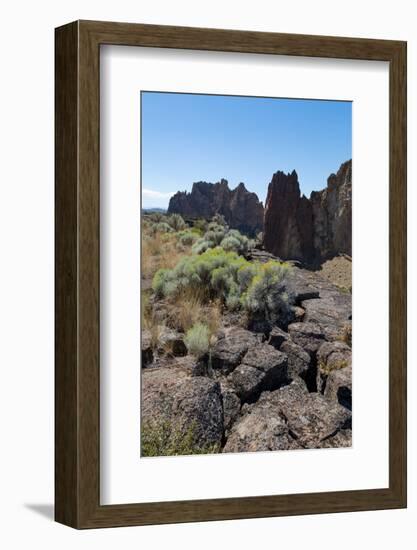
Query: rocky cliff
(309, 230)
(241, 208)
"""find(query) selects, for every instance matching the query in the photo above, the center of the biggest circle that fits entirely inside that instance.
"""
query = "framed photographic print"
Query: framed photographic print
(230, 274)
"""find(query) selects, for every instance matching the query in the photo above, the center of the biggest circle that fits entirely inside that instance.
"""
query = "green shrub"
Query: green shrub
(200, 226)
(164, 438)
(245, 275)
(230, 243)
(217, 274)
(237, 242)
(159, 282)
(233, 302)
(201, 246)
(176, 222)
(163, 227)
(214, 235)
(198, 272)
(266, 296)
(187, 238)
(219, 219)
(229, 239)
(157, 217)
(197, 339)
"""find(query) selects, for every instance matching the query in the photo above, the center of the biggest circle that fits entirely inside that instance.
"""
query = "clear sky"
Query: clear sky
(188, 138)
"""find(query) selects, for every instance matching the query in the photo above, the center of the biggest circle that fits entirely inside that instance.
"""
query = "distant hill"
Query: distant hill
(150, 210)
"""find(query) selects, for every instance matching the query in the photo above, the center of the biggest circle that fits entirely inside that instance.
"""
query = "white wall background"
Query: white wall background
(26, 274)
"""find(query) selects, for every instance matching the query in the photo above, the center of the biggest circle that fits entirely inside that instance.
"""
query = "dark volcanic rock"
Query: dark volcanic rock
(271, 362)
(334, 355)
(309, 230)
(230, 348)
(339, 386)
(322, 302)
(289, 418)
(332, 214)
(334, 372)
(299, 361)
(170, 341)
(277, 336)
(309, 416)
(146, 345)
(247, 381)
(259, 430)
(309, 336)
(332, 312)
(263, 368)
(231, 404)
(342, 438)
(186, 402)
(298, 313)
(288, 219)
(242, 209)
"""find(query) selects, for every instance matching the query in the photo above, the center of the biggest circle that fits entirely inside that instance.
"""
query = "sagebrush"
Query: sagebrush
(226, 276)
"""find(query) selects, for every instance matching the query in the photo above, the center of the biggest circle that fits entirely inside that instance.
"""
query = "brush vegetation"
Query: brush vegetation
(164, 438)
(199, 270)
(238, 283)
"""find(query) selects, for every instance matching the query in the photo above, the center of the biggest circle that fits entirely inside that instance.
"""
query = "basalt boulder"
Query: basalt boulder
(230, 348)
(289, 418)
(263, 368)
(186, 403)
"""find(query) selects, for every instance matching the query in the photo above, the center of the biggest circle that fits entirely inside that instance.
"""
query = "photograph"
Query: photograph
(246, 274)
(209, 259)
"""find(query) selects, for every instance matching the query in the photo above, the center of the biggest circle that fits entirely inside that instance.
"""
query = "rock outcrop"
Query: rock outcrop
(288, 418)
(258, 391)
(309, 230)
(241, 209)
(187, 402)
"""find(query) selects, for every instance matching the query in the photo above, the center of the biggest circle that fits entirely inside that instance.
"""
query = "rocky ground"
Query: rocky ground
(262, 388)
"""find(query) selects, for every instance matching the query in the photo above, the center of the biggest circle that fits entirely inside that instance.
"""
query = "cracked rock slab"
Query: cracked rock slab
(309, 336)
(230, 348)
(258, 431)
(331, 311)
(298, 360)
(288, 418)
(263, 368)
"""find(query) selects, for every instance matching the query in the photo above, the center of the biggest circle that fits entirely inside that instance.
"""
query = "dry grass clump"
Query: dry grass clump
(338, 271)
(150, 319)
(327, 368)
(213, 318)
(161, 250)
(346, 335)
(165, 438)
(188, 308)
(185, 309)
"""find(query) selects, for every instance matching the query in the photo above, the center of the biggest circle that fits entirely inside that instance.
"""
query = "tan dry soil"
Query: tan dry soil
(338, 270)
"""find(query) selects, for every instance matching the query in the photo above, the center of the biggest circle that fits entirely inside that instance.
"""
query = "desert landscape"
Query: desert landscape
(246, 318)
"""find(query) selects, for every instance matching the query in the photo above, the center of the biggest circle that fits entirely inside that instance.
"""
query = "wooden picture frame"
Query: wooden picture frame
(77, 374)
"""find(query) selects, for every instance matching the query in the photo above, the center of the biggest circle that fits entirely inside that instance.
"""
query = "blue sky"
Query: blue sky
(188, 138)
